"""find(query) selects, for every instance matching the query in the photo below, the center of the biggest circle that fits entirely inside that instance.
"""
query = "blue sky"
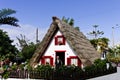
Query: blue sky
(86, 13)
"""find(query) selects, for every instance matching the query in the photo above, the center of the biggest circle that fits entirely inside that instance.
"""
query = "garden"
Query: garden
(23, 71)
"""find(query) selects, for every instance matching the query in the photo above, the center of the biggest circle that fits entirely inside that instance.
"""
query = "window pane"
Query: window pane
(74, 62)
(47, 60)
(60, 39)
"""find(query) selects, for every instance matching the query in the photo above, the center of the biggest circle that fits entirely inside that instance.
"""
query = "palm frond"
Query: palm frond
(9, 20)
(6, 12)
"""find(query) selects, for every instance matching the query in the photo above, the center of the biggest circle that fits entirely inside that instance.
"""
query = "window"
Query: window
(47, 60)
(59, 40)
(74, 62)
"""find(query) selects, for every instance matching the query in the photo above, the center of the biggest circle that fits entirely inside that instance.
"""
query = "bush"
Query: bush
(5, 74)
(68, 72)
(114, 59)
(44, 68)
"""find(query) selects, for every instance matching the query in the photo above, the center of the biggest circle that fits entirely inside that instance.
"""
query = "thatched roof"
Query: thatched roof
(78, 42)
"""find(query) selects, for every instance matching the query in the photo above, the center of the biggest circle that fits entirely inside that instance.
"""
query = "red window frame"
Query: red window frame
(73, 57)
(45, 57)
(59, 43)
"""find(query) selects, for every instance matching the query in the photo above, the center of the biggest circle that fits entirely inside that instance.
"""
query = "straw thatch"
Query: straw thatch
(78, 42)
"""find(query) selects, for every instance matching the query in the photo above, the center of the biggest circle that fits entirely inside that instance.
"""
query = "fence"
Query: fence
(57, 75)
(48, 75)
(19, 74)
(29, 74)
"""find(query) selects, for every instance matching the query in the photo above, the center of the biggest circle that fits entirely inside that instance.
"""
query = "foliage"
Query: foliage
(29, 67)
(22, 41)
(5, 75)
(99, 68)
(6, 19)
(70, 21)
(96, 33)
(44, 68)
(1, 70)
(102, 42)
(114, 59)
(94, 42)
(27, 48)
(69, 69)
(6, 47)
(114, 54)
(101, 64)
(73, 72)
(77, 28)
(28, 51)
(14, 67)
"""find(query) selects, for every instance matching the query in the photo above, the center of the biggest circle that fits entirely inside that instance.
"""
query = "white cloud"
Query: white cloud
(28, 30)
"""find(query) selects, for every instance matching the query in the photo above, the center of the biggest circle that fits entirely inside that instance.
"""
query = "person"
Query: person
(58, 62)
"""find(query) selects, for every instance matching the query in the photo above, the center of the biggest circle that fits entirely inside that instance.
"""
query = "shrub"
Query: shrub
(44, 68)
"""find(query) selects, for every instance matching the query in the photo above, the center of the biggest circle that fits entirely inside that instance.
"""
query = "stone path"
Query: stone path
(114, 76)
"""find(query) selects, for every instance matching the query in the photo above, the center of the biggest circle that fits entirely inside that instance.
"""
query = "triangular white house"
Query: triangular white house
(66, 42)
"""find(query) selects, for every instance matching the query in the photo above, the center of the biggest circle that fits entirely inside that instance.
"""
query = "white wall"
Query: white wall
(52, 48)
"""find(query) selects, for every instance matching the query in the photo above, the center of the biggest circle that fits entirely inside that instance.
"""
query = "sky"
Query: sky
(33, 14)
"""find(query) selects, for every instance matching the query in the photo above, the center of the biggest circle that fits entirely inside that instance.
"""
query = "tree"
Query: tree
(94, 42)
(22, 41)
(5, 17)
(70, 22)
(96, 33)
(27, 48)
(102, 42)
(28, 51)
(114, 54)
(6, 48)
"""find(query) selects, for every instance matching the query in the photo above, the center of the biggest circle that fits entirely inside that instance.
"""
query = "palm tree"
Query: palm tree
(6, 19)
